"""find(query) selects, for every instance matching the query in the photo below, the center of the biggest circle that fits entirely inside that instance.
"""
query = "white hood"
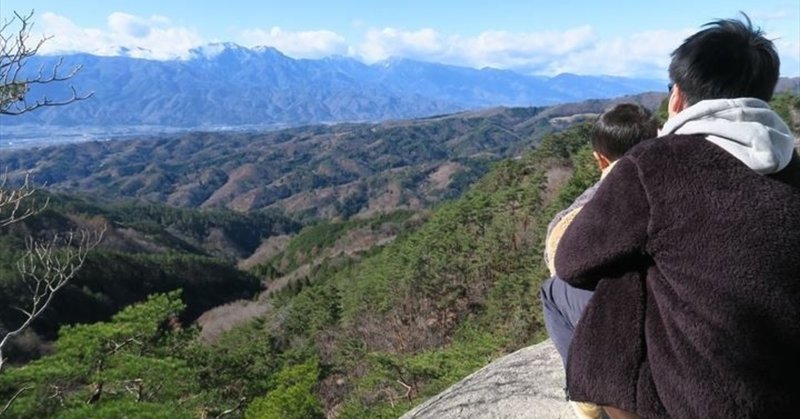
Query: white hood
(746, 127)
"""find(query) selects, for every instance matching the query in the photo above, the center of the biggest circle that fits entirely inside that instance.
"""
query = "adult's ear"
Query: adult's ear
(677, 101)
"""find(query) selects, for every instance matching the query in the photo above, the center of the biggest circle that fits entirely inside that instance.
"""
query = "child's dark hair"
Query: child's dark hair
(622, 127)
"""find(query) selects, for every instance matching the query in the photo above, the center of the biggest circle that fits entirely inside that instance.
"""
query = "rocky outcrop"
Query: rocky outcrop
(525, 384)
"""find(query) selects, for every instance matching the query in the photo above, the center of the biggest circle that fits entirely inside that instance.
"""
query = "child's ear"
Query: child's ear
(602, 160)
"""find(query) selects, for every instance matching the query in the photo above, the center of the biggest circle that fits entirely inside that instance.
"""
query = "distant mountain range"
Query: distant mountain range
(318, 170)
(226, 85)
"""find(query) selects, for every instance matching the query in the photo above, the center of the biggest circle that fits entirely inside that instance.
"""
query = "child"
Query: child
(614, 133)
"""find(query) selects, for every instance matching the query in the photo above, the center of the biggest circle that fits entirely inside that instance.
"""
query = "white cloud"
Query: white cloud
(644, 54)
(531, 50)
(152, 37)
(576, 50)
(129, 25)
(491, 48)
(380, 44)
(302, 44)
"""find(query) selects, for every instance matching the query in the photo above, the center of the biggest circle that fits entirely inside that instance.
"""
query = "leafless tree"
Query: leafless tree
(47, 266)
(16, 47)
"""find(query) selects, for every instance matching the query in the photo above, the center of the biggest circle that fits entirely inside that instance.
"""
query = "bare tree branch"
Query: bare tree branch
(11, 401)
(16, 48)
(118, 346)
(227, 412)
(407, 387)
(17, 203)
(135, 387)
(48, 266)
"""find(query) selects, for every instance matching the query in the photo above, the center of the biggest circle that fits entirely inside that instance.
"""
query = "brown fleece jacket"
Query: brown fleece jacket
(696, 313)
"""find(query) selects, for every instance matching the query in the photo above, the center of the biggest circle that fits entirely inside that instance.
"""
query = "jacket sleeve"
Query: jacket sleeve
(609, 234)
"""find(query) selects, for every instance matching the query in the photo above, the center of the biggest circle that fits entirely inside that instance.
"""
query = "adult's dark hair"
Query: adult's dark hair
(622, 127)
(728, 59)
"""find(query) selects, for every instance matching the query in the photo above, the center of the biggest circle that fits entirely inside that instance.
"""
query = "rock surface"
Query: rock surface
(525, 384)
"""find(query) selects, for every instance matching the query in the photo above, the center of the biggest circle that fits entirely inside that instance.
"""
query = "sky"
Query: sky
(622, 38)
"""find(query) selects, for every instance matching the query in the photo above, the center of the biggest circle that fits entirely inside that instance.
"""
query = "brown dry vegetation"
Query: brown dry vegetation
(268, 249)
(220, 319)
(442, 177)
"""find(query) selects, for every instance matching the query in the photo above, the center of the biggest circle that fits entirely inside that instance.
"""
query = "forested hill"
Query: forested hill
(343, 332)
(326, 171)
(145, 248)
(354, 336)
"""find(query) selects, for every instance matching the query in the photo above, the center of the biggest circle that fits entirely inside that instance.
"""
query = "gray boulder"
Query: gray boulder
(525, 384)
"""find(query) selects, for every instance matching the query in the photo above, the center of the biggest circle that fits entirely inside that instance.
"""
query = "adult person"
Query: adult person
(711, 220)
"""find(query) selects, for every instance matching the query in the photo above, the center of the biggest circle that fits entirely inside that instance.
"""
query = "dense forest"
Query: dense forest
(146, 248)
(351, 317)
(365, 333)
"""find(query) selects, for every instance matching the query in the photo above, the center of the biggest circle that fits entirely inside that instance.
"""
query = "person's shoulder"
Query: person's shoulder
(671, 141)
(790, 175)
(672, 145)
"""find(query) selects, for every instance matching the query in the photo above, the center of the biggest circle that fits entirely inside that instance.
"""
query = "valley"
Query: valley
(348, 271)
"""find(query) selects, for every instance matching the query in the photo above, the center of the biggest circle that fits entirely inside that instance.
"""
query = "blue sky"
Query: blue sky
(627, 38)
